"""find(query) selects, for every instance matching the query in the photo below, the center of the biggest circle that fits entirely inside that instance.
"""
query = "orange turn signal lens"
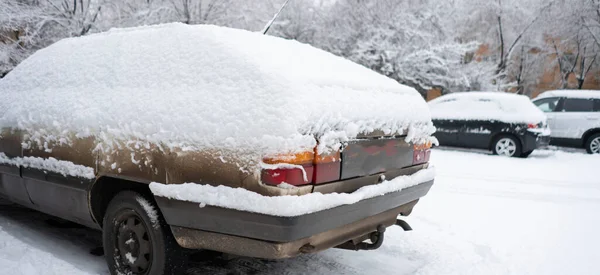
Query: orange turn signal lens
(327, 158)
(298, 158)
(422, 146)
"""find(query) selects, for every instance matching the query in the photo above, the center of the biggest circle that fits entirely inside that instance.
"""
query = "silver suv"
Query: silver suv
(574, 118)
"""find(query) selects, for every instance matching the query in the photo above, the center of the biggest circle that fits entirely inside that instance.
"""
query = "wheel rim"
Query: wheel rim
(133, 248)
(595, 146)
(506, 147)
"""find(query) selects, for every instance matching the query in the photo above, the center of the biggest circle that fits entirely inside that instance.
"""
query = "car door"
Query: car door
(477, 132)
(54, 180)
(550, 106)
(594, 117)
(575, 117)
(11, 183)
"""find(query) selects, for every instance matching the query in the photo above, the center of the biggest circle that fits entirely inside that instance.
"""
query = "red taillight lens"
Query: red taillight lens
(319, 168)
(421, 153)
(293, 176)
(327, 167)
(532, 126)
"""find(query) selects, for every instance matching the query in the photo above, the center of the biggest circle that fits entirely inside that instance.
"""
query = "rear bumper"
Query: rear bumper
(265, 236)
(355, 232)
(534, 141)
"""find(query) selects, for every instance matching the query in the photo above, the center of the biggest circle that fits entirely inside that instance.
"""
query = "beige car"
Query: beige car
(284, 149)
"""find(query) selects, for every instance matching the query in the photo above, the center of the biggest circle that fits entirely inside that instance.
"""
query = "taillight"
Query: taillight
(309, 167)
(421, 153)
(293, 176)
(327, 167)
(532, 126)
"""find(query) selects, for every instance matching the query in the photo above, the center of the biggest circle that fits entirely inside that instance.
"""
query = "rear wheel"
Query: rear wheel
(592, 145)
(507, 146)
(136, 239)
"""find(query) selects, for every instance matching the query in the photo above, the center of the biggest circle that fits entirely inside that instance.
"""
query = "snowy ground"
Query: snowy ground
(484, 215)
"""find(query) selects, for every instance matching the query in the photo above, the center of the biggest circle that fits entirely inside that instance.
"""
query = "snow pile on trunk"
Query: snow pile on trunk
(199, 87)
(498, 106)
(283, 206)
(65, 168)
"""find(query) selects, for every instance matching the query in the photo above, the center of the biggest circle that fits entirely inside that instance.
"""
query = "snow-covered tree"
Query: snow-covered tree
(18, 19)
(409, 41)
(573, 40)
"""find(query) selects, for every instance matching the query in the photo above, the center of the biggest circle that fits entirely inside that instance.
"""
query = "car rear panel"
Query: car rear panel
(366, 157)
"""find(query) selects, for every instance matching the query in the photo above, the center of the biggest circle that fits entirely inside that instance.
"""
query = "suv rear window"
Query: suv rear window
(578, 105)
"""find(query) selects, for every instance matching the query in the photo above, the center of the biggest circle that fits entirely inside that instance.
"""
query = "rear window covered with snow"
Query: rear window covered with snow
(198, 87)
(505, 107)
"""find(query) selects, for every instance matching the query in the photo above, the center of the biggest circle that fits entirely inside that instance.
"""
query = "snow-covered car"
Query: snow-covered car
(507, 124)
(574, 118)
(212, 138)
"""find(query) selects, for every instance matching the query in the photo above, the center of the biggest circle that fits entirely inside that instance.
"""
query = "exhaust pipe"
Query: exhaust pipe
(375, 237)
(403, 224)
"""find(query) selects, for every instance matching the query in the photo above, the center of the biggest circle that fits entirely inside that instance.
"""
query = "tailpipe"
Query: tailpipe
(403, 224)
(375, 237)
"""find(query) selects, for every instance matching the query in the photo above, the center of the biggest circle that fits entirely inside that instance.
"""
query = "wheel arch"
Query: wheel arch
(588, 134)
(106, 187)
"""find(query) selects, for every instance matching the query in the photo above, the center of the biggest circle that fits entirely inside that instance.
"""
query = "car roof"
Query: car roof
(507, 107)
(152, 54)
(571, 94)
(476, 95)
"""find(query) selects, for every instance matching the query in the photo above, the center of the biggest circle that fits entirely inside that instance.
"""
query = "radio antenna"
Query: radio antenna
(268, 26)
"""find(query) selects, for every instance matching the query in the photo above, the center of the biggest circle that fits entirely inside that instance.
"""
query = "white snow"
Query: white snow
(541, 131)
(65, 168)
(266, 166)
(150, 210)
(484, 215)
(585, 94)
(480, 130)
(203, 86)
(505, 107)
(283, 206)
(130, 258)
(285, 185)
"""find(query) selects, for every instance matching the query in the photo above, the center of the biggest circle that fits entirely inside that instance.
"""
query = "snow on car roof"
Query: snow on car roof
(204, 86)
(505, 107)
(571, 94)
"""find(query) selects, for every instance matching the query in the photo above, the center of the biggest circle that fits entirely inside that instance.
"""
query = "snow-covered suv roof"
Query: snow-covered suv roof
(505, 107)
(204, 86)
(571, 94)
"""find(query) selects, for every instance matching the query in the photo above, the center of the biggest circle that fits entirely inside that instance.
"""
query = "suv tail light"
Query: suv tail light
(421, 153)
(532, 126)
(308, 167)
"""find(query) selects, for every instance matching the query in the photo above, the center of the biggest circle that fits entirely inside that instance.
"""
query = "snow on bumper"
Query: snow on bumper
(282, 206)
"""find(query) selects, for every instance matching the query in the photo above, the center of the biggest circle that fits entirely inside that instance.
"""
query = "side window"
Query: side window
(547, 105)
(596, 105)
(578, 105)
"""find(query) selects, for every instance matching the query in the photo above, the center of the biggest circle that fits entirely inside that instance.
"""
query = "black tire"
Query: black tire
(588, 144)
(526, 154)
(136, 242)
(517, 146)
